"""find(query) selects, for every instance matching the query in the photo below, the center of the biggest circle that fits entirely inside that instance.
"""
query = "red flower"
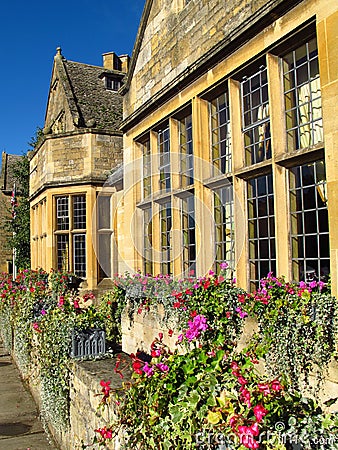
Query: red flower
(260, 412)
(206, 284)
(241, 298)
(105, 387)
(242, 380)
(137, 367)
(264, 388)
(276, 386)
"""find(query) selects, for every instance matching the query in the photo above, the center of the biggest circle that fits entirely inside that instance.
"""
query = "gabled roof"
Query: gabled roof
(90, 103)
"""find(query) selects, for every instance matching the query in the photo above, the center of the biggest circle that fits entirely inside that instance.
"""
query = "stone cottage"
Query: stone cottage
(229, 139)
(82, 144)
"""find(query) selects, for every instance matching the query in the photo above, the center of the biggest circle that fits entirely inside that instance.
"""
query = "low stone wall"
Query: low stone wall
(85, 397)
(139, 331)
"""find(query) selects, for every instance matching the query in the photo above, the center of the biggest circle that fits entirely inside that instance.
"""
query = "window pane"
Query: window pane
(165, 224)
(164, 155)
(146, 169)
(261, 227)
(186, 151)
(224, 228)
(189, 239)
(256, 117)
(62, 213)
(79, 248)
(220, 134)
(103, 202)
(79, 212)
(62, 248)
(309, 222)
(147, 241)
(302, 96)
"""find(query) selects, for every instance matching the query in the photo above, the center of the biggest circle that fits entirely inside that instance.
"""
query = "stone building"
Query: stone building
(7, 182)
(229, 139)
(81, 145)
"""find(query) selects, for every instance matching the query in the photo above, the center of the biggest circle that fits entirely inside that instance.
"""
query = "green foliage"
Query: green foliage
(42, 322)
(298, 328)
(206, 393)
(111, 307)
(19, 226)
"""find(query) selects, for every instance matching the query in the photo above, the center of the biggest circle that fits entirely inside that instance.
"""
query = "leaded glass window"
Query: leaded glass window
(224, 226)
(256, 116)
(309, 222)
(186, 151)
(220, 134)
(261, 229)
(302, 94)
(188, 233)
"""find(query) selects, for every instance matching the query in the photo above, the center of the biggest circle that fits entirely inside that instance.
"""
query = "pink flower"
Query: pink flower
(162, 367)
(234, 365)
(223, 265)
(105, 387)
(198, 324)
(242, 380)
(321, 284)
(241, 313)
(264, 388)
(246, 396)
(276, 386)
(260, 412)
(246, 436)
(148, 370)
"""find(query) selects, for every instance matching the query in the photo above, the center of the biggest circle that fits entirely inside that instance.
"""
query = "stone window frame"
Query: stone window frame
(310, 250)
(256, 114)
(70, 240)
(224, 230)
(188, 229)
(261, 228)
(105, 235)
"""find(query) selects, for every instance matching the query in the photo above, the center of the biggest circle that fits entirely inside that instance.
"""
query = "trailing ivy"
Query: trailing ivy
(298, 327)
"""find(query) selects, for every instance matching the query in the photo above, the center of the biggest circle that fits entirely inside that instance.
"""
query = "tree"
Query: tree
(19, 226)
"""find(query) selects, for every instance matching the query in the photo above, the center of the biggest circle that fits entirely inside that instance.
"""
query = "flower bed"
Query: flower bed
(199, 384)
(205, 392)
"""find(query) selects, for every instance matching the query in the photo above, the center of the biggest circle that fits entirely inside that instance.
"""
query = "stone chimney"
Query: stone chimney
(125, 59)
(113, 62)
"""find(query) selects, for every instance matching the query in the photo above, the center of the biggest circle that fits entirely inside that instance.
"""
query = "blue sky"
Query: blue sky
(30, 32)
